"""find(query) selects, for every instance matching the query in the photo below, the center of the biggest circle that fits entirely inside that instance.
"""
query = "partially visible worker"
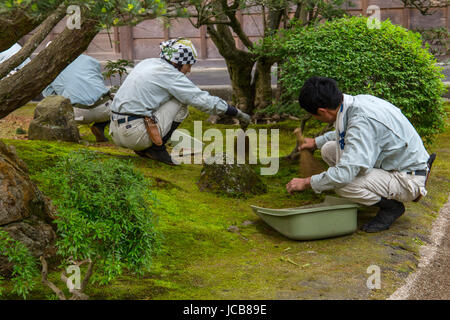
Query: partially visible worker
(375, 155)
(5, 55)
(82, 83)
(154, 99)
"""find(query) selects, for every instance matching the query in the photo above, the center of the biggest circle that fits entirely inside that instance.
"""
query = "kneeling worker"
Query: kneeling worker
(154, 99)
(375, 155)
(82, 82)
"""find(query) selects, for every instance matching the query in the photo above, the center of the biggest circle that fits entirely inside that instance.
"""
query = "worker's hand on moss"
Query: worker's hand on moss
(298, 184)
(309, 144)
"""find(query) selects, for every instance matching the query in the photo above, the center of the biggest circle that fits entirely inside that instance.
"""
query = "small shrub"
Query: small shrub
(119, 68)
(24, 264)
(104, 213)
(388, 62)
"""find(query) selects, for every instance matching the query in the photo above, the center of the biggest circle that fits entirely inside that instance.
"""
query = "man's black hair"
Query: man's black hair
(320, 92)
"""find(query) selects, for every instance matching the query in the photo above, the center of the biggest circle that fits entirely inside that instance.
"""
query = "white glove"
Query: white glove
(243, 117)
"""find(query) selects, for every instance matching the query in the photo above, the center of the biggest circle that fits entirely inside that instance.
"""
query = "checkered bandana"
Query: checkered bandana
(179, 50)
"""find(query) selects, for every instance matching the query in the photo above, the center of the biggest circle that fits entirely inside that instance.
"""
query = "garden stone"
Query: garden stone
(233, 180)
(54, 120)
(25, 213)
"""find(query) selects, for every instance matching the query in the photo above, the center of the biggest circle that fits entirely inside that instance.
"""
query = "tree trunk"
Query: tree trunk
(243, 92)
(14, 26)
(239, 63)
(263, 84)
(20, 88)
(41, 33)
(301, 13)
(263, 74)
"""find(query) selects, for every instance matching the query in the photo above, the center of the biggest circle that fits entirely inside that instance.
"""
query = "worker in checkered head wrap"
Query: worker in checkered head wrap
(158, 89)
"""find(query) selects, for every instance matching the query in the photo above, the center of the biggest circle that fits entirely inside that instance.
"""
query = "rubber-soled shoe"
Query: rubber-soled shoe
(390, 210)
(158, 153)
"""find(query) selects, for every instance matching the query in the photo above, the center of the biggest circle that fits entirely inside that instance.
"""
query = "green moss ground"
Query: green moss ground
(201, 259)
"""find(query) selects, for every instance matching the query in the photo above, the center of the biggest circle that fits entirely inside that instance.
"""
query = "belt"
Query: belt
(103, 99)
(150, 126)
(418, 172)
(128, 118)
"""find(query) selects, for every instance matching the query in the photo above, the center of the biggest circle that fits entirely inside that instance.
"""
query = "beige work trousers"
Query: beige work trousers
(133, 134)
(99, 114)
(368, 188)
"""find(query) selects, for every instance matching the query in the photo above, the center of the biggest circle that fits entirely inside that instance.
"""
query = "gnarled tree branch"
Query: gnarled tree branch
(424, 6)
(48, 283)
(17, 89)
(230, 12)
(41, 33)
(13, 27)
(16, 23)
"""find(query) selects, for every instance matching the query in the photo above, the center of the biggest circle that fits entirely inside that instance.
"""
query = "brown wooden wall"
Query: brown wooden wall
(142, 41)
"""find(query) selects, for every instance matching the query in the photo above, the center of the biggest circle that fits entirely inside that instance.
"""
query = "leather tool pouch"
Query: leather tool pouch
(153, 131)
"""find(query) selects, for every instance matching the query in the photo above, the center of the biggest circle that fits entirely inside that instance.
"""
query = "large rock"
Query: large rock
(234, 180)
(25, 213)
(54, 120)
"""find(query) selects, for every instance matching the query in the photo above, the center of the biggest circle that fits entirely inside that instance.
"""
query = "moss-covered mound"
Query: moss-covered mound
(234, 180)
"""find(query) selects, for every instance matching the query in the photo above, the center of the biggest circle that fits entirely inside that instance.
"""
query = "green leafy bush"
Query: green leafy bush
(24, 264)
(388, 62)
(104, 213)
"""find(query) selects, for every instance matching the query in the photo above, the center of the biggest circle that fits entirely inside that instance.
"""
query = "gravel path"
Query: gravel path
(432, 279)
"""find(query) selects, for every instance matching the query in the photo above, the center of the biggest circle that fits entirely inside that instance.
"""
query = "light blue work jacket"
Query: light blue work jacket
(5, 55)
(153, 82)
(81, 82)
(376, 135)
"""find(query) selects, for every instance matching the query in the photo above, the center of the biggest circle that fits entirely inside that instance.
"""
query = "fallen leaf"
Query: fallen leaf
(285, 259)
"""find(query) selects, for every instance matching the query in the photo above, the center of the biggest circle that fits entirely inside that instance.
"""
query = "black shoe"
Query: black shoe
(390, 210)
(158, 153)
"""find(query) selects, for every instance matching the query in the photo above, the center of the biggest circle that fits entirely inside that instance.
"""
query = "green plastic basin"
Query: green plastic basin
(331, 218)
